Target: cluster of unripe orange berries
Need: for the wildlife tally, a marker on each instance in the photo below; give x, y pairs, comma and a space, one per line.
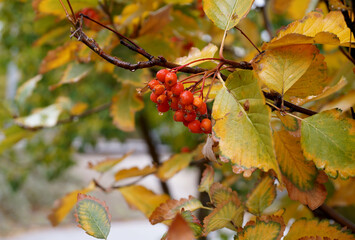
168, 93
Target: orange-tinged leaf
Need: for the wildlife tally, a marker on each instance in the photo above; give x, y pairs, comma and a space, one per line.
78, 108
53, 7
222, 216
195, 54
59, 56
139, 197
317, 228
124, 106
300, 175
134, 172
291, 124
344, 194
292, 162
156, 21
92, 216
220, 193
208, 151
63, 206
280, 68
207, 179
171, 207
313, 81
261, 230
262, 196
314, 28
105, 165
226, 13
173, 165
193, 222
180, 229
328, 140
72, 74
244, 133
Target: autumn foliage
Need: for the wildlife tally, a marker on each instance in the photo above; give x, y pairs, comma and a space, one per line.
271, 111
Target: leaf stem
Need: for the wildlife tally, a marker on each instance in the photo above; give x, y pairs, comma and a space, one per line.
240, 30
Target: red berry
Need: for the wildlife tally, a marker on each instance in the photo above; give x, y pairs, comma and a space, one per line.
206, 125
174, 106
169, 94
162, 98
177, 89
153, 83
197, 102
203, 109
161, 75
189, 117
185, 149
179, 116
186, 123
153, 97
194, 126
159, 89
186, 97
163, 107
170, 79
189, 108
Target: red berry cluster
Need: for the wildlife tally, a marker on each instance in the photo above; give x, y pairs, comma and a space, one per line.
168, 94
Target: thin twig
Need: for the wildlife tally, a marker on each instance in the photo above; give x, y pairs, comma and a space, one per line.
331, 213
346, 55
240, 30
267, 23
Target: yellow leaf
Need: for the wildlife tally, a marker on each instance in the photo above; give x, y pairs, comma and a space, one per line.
261, 230
242, 124
124, 106
314, 28
59, 56
317, 228
226, 13
298, 8
222, 216
146, 201
78, 108
169, 209
344, 102
63, 206
280, 68
134, 172
173, 165
108, 164
180, 230
195, 54
54, 7
344, 194
262, 196
220, 193
313, 81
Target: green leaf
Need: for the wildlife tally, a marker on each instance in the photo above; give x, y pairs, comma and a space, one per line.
242, 123
26, 89
224, 215
321, 229
72, 74
226, 13
124, 106
92, 216
328, 140
13, 135
171, 207
220, 193
193, 222
173, 165
262, 196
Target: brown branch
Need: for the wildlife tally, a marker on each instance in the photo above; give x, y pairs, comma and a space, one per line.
267, 23
241, 31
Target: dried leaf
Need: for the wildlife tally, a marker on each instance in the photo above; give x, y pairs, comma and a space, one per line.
92, 216
207, 149
171, 207
344, 194
207, 179
180, 229
156, 21
63, 206
343, 103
